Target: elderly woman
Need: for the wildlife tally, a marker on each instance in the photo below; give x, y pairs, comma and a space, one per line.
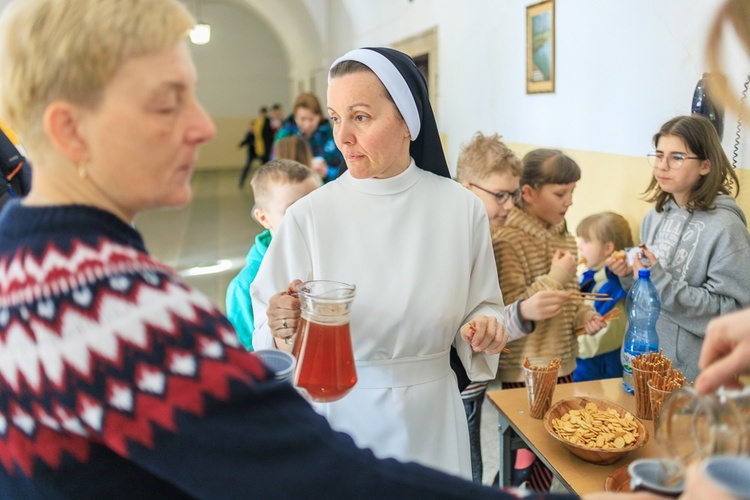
117, 379
416, 245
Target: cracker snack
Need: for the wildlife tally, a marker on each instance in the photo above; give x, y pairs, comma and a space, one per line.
595, 428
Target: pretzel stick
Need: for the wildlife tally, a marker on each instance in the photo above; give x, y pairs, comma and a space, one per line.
611, 315
654, 364
473, 331
543, 382
591, 296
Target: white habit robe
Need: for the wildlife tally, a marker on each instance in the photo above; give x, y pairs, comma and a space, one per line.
417, 246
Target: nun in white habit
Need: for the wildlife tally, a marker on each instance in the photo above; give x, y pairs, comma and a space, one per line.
416, 245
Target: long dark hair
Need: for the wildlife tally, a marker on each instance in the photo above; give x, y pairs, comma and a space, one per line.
701, 138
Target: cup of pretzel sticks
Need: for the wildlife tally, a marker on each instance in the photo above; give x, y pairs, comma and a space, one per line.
540, 376
645, 366
660, 387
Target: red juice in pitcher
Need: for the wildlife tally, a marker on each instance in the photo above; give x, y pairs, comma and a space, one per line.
326, 369
298, 339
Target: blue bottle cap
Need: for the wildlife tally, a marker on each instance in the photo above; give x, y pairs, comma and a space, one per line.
644, 273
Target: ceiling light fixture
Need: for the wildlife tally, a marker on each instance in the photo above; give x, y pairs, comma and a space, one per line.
201, 32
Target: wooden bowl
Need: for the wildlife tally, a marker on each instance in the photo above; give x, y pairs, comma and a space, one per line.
601, 456
618, 481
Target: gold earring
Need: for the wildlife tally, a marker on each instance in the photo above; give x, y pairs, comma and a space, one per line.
82, 173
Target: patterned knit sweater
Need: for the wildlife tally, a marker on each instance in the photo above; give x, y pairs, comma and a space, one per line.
523, 250
119, 381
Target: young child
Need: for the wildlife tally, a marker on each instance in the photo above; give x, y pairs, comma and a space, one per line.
599, 236
535, 252
248, 142
487, 167
293, 147
696, 236
277, 185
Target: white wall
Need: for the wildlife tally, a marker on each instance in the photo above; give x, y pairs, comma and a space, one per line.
622, 67
244, 66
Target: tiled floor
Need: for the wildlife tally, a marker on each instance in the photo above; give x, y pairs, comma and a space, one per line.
218, 227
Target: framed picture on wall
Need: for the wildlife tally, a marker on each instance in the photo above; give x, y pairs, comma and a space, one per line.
540, 47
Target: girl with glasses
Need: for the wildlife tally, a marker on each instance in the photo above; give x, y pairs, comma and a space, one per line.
698, 246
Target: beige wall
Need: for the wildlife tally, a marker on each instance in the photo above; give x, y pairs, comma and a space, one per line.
615, 182
222, 152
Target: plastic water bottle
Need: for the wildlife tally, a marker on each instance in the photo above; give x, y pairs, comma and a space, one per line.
643, 306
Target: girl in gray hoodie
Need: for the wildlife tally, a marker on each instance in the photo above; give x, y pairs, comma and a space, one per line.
696, 236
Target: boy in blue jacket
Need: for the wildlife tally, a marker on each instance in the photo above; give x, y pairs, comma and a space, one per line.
276, 186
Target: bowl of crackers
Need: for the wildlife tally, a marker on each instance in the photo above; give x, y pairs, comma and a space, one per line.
595, 430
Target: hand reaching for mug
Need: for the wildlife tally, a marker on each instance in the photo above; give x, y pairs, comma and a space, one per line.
283, 314
484, 334
725, 353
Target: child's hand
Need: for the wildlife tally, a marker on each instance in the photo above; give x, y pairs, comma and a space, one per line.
544, 304
618, 266
563, 268
639, 264
594, 324
320, 166
484, 334
283, 313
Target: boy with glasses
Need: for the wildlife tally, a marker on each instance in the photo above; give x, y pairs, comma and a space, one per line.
492, 171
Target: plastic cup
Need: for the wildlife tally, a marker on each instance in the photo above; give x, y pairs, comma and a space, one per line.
540, 386
641, 393
657, 397
279, 362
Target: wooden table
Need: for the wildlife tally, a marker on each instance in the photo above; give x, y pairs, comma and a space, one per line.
517, 427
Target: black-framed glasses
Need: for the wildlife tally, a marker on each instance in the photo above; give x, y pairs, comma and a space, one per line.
502, 197
674, 160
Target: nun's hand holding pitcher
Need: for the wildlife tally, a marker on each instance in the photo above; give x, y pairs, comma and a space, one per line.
283, 314
485, 334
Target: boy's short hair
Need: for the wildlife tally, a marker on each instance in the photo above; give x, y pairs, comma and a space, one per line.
484, 156
605, 227
277, 172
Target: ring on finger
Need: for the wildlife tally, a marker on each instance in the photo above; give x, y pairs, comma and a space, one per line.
283, 323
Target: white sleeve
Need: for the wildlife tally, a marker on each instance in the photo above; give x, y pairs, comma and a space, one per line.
287, 258
484, 298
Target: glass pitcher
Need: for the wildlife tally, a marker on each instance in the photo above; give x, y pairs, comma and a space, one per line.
323, 343
694, 427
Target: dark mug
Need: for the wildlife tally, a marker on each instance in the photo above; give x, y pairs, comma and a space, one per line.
732, 473
279, 362
653, 475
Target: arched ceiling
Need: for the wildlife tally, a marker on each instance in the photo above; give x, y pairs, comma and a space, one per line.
301, 33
